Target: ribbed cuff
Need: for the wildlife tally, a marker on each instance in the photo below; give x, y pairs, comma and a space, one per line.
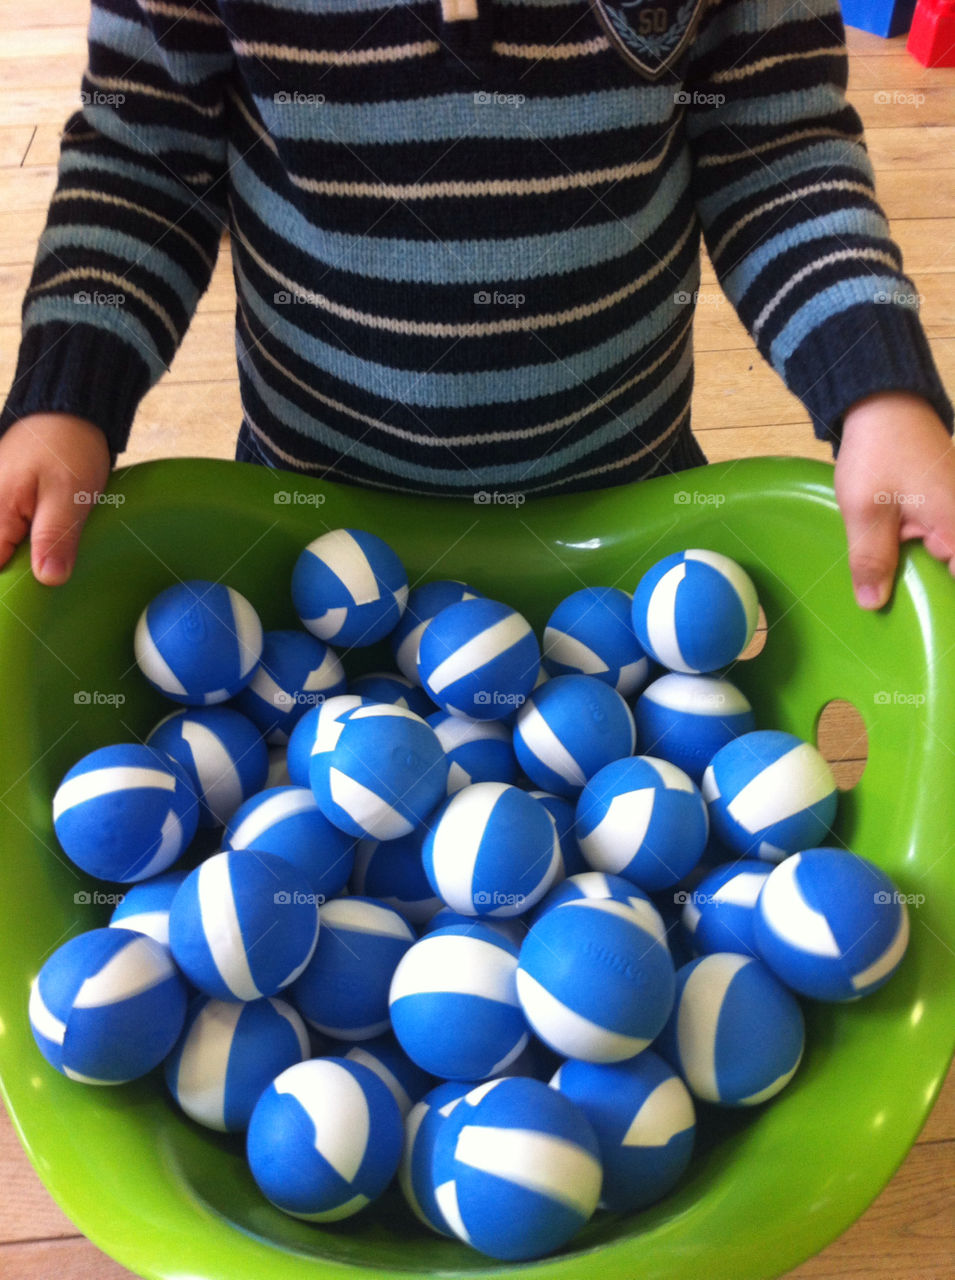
78, 369
870, 348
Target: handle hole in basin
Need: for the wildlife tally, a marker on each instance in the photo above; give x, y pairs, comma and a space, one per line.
758, 642
842, 738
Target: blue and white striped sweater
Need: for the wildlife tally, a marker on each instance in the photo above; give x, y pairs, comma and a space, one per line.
463, 246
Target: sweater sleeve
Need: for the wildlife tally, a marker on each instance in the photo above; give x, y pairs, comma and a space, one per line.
135, 221
786, 196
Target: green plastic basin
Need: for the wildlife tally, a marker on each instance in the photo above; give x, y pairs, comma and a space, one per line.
768, 1188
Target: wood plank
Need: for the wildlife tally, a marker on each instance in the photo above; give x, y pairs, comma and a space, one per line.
43, 104
905, 193
894, 71
865, 44
27, 1211
44, 146
904, 147
940, 1126
63, 42
889, 108
789, 440
74, 1259
15, 142
194, 419
26, 188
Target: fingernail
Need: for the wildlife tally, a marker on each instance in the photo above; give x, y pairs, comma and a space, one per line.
53, 570
869, 595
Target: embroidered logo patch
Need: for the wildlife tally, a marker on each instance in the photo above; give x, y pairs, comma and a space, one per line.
651, 36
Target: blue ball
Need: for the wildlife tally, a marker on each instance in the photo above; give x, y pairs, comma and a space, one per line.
223, 911
568, 729
735, 1035
769, 794
415, 1174
384, 775
720, 912
564, 814
393, 872
107, 1006
454, 1004
686, 719
343, 990
404, 1078
695, 611
599, 887
198, 642
642, 818
398, 691
125, 812
491, 850
424, 603
324, 1139
288, 822
145, 907
643, 1116
349, 588
594, 981
228, 1054
298, 754
513, 930
830, 924
591, 633
479, 658
222, 753
516, 1169
296, 672
476, 750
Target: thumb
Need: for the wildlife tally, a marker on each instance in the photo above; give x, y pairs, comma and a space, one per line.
57, 524
872, 530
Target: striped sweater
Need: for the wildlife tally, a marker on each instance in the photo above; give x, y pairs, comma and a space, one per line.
465, 233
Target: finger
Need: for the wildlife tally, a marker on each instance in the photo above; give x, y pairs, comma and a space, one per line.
15, 514
872, 531
57, 525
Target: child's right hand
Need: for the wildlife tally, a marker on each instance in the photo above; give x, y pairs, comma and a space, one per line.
46, 461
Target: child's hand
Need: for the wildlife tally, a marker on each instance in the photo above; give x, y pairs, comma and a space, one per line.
895, 480
46, 461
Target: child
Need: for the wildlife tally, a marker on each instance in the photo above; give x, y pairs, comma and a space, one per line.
465, 237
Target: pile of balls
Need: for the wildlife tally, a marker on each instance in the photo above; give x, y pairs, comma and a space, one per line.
441, 936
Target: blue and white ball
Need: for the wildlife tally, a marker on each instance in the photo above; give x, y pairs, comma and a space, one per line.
392, 871
397, 690
405, 1079
288, 822
736, 1034
125, 812
719, 914
224, 910
831, 925
601, 888
343, 990
479, 658
454, 1005
107, 1006
564, 814
278, 769
594, 980
221, 751
770, 794
516, 1169
686, 719
295, 673
645, 1122
415, 1173
491, 850
695, 611
325, 1139
385, 774
198, 642
476, 750
591, 633
298, 753
228, 1054
642, 818
570, 728
424, 603
512, 929
349, 588
145, 907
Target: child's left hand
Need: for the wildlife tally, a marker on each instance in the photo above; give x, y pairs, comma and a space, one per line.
895, 481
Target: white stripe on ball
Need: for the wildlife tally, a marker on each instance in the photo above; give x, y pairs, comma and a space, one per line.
666, 1111
328, 624
771, 1089
387, 1078
220, 925
328, 672
889, 958
736, 576
137, 967
547, 747
341, 1131
271, 811
367, 808
798, 779
50, 1027
672, 777
151, 661
365, 917
623, 828
343, 555
661, 618
479, 651
700, 695
247, 630
578, 1034
790, 916
295, 1022
218, 778
742, 890
101, 782
536, 1161
455, 964
457, 843
454, 732
155, 924
201, 1079
699, 1013
446, 1196
170, 845
571, 652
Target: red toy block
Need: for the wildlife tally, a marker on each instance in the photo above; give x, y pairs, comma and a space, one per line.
932, 35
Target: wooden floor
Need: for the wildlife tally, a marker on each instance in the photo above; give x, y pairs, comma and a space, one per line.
740, 410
